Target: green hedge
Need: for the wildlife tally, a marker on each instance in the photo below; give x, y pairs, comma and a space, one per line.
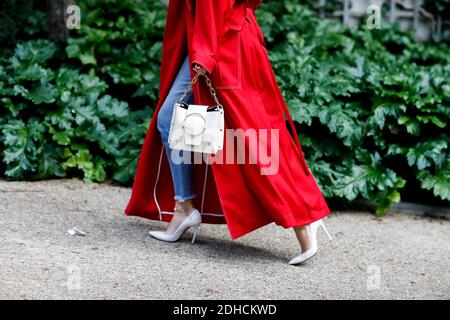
63, 106
372, 107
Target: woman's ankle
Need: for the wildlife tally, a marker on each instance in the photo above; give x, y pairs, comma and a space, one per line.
184, 207
303, 234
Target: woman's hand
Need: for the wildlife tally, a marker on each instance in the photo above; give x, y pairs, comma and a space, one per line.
199, 69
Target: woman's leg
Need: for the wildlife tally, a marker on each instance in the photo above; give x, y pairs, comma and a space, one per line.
303, 234
181, 172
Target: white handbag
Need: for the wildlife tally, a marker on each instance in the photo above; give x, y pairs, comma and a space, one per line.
198, 128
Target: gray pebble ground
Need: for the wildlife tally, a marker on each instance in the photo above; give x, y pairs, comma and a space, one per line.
395, 257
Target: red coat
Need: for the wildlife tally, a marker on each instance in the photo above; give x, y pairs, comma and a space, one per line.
228, 42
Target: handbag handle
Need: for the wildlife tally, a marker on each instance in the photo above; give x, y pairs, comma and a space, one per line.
211, 89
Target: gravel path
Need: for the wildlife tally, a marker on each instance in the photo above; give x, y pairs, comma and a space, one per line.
396, 257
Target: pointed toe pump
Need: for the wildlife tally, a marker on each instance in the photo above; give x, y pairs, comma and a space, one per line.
194, 220
308, 254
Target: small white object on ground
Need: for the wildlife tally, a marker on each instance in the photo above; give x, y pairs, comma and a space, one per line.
76, 232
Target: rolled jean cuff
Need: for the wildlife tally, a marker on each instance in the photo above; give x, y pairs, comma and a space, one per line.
181, 198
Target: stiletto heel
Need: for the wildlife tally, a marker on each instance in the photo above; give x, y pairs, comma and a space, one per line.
194, 219
308, 254
326, 231
195, 232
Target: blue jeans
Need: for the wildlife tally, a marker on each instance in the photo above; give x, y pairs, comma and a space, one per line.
181, 172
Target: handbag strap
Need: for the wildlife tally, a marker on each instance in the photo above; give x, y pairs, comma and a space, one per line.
211, 89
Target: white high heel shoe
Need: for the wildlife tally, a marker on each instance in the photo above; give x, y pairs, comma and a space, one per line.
194, 219
308, 254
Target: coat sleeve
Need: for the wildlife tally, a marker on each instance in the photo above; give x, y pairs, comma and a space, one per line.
209, 15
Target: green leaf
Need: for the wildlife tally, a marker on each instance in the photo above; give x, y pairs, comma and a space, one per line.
126, 166
412, 125
23, 146
425, 153
112, 108
50, 163
87, 59
386, 199
31, 52
42, 93
92, 168
439, 182
434, 119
